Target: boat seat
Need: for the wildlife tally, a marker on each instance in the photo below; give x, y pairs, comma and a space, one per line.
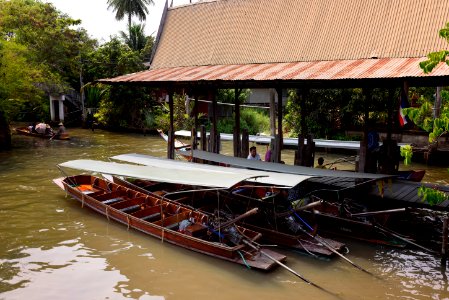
152, 217
173, 226
130, 209
113, 200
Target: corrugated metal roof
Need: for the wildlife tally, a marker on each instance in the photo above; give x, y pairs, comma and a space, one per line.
240, 32
318, 70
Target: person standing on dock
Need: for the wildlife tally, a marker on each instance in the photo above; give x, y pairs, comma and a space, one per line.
253, 155
268, 154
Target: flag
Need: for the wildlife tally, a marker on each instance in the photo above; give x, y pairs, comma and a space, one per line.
403, 104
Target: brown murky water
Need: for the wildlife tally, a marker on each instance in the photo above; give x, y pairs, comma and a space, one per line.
51, 248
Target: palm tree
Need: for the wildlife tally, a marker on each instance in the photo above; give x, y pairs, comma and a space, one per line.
136, 38
131, 8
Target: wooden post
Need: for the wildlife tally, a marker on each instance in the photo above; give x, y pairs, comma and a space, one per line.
391, 106
236, 144
445, 238
203, 138
299, 153
302, 95
277, 149
272, 113
171, 132
237, 141
193, 141
214, 121
280, 137
310, 152
203, 141
195, 112
218, 143
271, 148
437, 104
245, 143
363, 154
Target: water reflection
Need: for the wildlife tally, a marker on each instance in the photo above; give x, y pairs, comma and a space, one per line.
52, 248
420, 274
68, 271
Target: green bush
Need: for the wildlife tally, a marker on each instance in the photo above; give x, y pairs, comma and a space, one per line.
251, 119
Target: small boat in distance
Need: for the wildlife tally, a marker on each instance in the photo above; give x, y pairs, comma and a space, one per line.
27, 132
181, 149
170, 222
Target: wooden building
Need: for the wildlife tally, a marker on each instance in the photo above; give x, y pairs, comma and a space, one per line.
301, 44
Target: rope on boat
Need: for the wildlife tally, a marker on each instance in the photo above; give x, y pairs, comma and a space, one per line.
127, 219
244, 260
82, 200
107, 213
310, 253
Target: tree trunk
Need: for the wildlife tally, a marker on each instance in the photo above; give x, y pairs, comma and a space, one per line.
5, 133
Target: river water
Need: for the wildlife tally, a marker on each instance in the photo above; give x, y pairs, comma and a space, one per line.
51, 248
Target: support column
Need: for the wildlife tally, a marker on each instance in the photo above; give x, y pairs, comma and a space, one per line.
437, 103
52, 108
171, 132
363, 154
237, 138
61, 108
213, 133
280, 142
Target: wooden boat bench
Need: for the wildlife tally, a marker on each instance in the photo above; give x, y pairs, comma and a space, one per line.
149, 214
113, 200
131, 205
106, 196
172, 222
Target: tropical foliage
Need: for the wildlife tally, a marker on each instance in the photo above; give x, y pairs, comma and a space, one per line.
435, 58
130, 8
39, 53
135, 38
431, 196
329, 112
422, 116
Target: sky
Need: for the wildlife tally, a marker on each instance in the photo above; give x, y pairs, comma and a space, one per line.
100, 22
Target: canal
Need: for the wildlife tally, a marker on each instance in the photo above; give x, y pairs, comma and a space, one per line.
52, 248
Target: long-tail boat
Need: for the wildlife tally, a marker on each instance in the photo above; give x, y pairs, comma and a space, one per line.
379, 225
170, 222
27, 132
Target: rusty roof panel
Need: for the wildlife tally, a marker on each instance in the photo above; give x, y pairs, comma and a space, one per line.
237, 32
320, 70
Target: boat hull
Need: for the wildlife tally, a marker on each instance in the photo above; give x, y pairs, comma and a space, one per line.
90, 192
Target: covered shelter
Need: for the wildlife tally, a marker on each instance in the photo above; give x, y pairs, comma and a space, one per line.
300, 44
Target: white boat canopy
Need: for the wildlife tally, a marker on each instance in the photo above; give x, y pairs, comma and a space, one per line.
288, 169
281, 179
189, 176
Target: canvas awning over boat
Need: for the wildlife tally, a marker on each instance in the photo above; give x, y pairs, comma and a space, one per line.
281, 179
189, 176
299, 170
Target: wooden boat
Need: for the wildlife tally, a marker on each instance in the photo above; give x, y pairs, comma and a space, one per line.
412, 175
284, 231
26, 131
170, 222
